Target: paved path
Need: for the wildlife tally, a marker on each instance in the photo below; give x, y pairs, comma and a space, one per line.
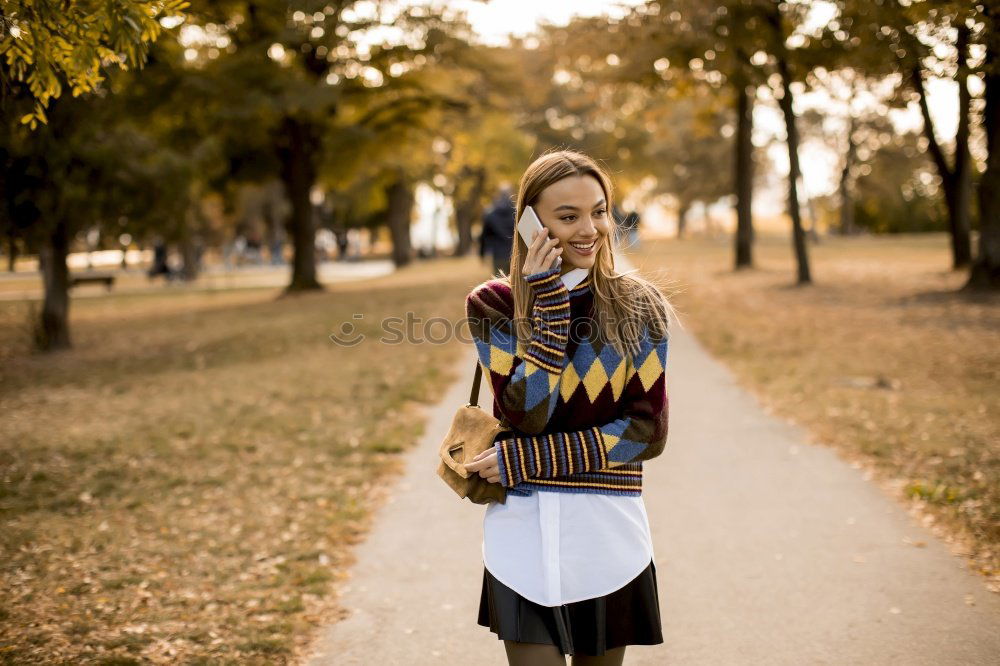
769, 550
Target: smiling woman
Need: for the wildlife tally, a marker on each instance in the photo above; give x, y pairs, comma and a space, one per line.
577, 224
572, 195
568, 558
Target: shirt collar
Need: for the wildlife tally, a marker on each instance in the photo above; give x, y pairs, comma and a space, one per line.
582, 288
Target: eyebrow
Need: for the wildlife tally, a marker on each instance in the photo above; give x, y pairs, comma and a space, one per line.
569, 207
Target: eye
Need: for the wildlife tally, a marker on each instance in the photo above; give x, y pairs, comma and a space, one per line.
602, 212
568, 218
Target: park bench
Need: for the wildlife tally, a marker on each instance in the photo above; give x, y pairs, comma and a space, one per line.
84, 278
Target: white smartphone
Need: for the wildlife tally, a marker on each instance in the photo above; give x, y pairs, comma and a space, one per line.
527, 226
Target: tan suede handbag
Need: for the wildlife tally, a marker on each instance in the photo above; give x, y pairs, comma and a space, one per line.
472, 431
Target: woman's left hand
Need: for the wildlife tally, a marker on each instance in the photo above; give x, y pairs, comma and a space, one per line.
486, 465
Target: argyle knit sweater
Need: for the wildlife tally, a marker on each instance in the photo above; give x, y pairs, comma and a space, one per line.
583, 417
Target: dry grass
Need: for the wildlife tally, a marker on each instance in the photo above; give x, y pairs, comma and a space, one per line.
185, 485
880, 358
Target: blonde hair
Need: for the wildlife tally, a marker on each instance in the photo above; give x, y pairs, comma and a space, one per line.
626, 306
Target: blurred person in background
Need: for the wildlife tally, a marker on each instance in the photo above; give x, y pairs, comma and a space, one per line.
161, 265
498, 230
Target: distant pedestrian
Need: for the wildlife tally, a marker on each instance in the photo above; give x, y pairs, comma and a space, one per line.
497, 237
277, 251
340, 235
160, 265
254, 245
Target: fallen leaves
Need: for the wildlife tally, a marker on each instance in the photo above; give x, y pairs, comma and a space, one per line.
171, 512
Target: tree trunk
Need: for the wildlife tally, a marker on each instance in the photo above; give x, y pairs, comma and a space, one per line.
469, 209
787, 110
52, 329
297, 151
744, 175
683, 208
846, 188
812, 231
957, 181
985, 272
189, 248
961, 239
798, 234
400, 197
12, 251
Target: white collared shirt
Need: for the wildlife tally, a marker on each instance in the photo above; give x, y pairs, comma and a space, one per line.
556, 547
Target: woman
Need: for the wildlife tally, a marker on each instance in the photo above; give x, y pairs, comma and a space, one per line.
578, 376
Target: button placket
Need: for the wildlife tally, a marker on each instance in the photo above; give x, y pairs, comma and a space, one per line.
548, 510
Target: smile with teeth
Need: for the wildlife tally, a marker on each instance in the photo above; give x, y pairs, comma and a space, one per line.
585, 247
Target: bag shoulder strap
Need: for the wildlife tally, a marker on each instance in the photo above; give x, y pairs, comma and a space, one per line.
474, 398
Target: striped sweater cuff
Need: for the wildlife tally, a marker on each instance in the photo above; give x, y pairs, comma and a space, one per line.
551, 317
550, 293
500, 463
549, 455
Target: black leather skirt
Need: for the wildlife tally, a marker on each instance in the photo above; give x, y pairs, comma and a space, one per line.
628, 616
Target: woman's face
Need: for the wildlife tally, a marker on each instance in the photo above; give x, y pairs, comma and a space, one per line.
574, 211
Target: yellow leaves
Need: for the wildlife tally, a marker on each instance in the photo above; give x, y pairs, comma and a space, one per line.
37, 116
69, 44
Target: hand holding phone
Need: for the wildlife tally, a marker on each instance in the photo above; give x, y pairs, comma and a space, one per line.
533, 232
543, 252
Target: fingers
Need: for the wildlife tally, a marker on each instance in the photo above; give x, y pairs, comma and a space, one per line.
550, 258
488, 469
536, 240
542, 253
536, 245
473, 464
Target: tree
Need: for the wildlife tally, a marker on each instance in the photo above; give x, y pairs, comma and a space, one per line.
718, 45
46, 44
895, 189
772, 14
985, 273
685, 144
81, 170
42, 44
887, 38
299, 66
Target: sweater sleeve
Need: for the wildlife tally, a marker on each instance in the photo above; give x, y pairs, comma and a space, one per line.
640, 433
526, 386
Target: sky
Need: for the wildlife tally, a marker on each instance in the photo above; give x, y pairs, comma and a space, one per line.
494, 21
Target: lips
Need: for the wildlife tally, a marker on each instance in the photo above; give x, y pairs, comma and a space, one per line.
584, 248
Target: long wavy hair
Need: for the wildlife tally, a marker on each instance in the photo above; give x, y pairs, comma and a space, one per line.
626, 306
